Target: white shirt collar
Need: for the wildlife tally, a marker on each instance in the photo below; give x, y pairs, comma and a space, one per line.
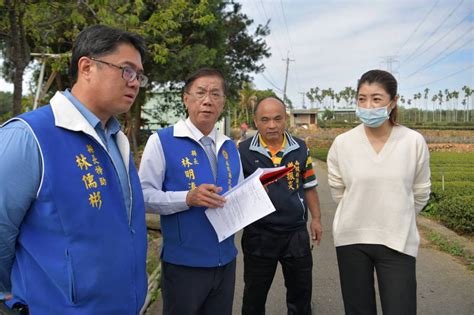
197, 134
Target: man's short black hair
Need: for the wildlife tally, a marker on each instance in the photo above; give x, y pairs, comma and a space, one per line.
100, 40
204, 72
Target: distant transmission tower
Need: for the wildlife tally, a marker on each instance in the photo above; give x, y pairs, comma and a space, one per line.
389, 62
303, 94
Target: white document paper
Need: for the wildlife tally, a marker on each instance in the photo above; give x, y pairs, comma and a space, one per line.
245, 203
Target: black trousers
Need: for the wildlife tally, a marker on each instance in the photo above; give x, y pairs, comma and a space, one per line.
396, 276
196, 290
293, 252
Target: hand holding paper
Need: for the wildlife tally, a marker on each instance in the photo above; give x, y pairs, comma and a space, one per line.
245, 203
205, 195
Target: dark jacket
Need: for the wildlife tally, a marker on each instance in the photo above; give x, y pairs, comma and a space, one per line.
287, 194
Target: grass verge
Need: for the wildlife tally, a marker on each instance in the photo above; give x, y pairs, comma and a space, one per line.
450, 247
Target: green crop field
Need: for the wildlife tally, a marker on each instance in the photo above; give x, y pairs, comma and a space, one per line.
452, 190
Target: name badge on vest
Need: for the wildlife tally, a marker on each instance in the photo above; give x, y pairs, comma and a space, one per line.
93, 175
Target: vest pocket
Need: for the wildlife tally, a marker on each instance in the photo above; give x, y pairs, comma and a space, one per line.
70, 273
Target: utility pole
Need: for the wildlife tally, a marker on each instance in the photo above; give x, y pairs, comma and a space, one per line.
303, 94
286, 75
40, 90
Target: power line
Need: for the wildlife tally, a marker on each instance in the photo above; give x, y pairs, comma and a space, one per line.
431, 35
263, 16
271, 83
417, 27
443, 78
432, 63
270, 76
446, 34
286, 24
469, 41
290, 42
271, 33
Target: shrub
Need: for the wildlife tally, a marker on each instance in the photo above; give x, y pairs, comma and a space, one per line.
451, 158
453, 176
458, 214
451, 189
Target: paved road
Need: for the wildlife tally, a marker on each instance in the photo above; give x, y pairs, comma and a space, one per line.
444, 285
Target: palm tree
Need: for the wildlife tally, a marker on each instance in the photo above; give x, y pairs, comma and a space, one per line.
312, 95
467, 96
409, 110
247, 100
338, 97
416, 97
319, 98
348, 95
433, 100
447, 97
402, 100
332, 95
455, 97
464, 103
324, 94
420, 108
427, 90
440, 101
352, 95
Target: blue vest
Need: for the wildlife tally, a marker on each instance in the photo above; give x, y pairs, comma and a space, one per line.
77, 252
188, 237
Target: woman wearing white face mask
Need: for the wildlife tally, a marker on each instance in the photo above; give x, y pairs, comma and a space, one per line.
379, 175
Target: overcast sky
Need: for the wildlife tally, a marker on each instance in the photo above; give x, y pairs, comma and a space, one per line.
428, 43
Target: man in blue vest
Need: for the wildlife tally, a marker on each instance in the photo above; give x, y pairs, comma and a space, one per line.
282, 236
184, 170
72, 218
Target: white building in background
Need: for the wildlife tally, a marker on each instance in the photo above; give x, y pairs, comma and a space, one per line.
156, 118
303, 117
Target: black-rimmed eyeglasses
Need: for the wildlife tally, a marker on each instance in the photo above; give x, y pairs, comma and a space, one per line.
128, 74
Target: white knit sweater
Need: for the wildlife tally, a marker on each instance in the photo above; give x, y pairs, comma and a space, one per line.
380, 194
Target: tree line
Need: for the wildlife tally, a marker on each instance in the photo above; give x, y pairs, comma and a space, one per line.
449, 106
182, 36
